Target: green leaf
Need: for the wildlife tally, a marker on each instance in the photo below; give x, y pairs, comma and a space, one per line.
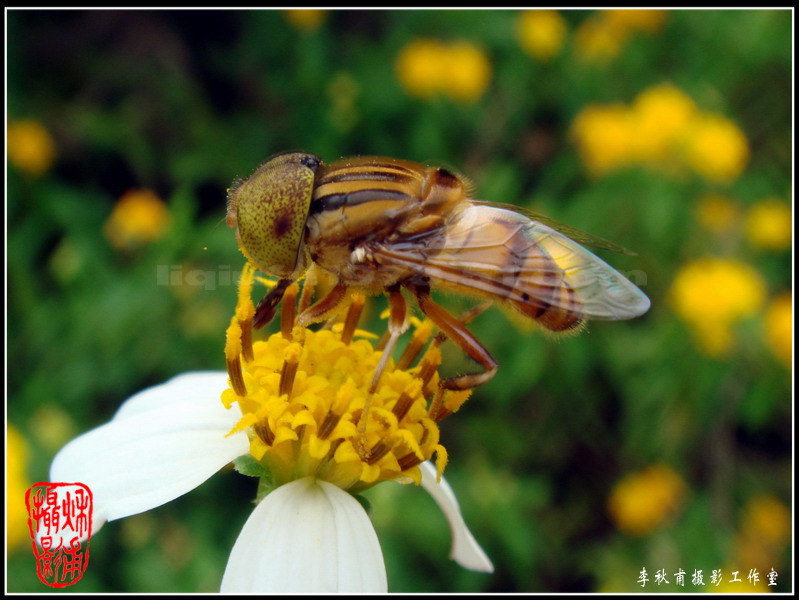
247, 465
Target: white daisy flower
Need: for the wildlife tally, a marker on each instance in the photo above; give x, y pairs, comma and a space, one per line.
298, 409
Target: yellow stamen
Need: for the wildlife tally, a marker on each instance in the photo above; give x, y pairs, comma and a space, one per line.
435, 406
267, 283
402, 406
357, 302
453, 400
233, 351
265, 433
307, 395
429, 366
245, 310
442, 458
414, 347
290, 364
288, 313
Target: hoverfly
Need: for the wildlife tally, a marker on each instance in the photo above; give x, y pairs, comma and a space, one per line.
381, 224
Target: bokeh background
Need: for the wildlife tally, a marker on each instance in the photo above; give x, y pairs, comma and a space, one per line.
659, 443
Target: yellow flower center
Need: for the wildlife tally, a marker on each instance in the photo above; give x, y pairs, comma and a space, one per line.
302, 395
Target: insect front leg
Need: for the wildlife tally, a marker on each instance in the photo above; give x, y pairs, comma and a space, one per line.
308, 288
265, 311
397, 324
456, 330
324, 307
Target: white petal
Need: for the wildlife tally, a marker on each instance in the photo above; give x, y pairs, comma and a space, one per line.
465, 549
195, 384
162, 443
306, 536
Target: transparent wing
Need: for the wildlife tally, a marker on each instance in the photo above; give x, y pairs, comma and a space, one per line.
578, 235
506, 255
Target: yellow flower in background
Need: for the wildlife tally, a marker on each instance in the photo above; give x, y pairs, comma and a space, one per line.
18, 483
428, 67
541, 33
138, 217
711, 293
30, 146
662, 114
769, 224
635, 19
642, 501
467, 73
716, 213
714, 336
779, 328
662, 127
743, 586
419, 66
717, 149
305, 20
764, 531
717, 288
597, 41
601, 37
605, 137
767, 519
343, 91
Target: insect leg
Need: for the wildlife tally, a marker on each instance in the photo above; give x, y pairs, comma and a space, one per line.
308, 287
321, 309
458, 333
397, 324
288, 310
265, 310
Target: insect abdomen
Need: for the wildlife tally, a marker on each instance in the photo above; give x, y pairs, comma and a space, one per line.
492, 252
535, 281
554, 318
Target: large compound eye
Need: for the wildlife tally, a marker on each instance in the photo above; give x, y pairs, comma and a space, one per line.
269, 211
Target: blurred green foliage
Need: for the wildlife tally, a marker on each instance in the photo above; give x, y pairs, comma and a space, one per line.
182, 102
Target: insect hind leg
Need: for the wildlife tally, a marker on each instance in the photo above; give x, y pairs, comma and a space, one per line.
456, 330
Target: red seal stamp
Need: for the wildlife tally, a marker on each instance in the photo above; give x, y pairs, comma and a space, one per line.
60, 526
